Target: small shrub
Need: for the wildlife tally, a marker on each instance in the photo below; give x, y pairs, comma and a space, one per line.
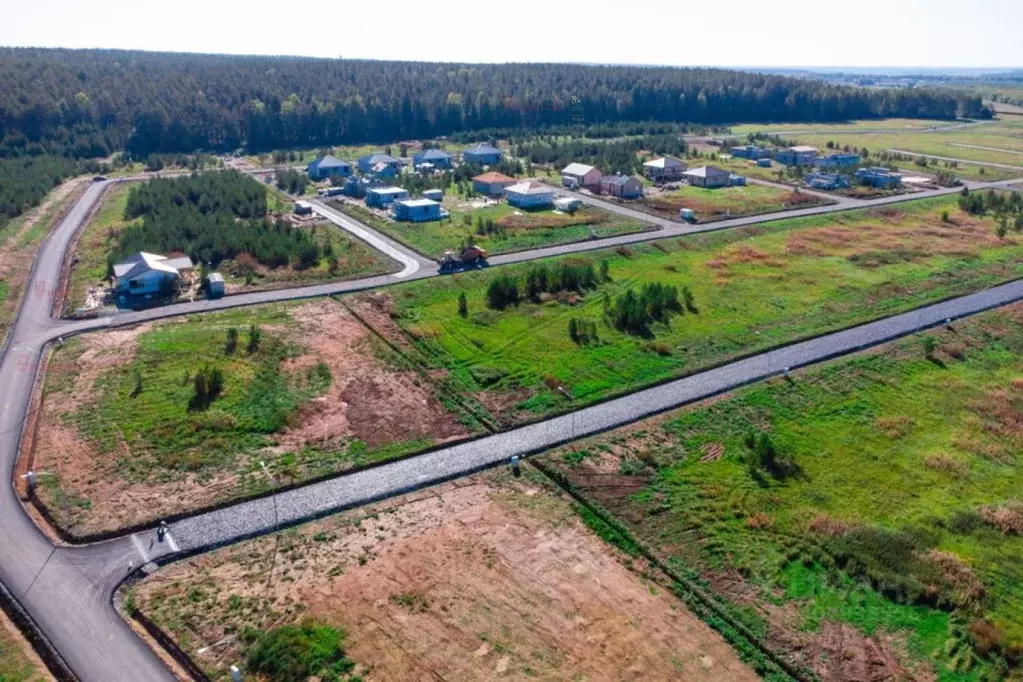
463, 305
231, 345
294, 653
255, 336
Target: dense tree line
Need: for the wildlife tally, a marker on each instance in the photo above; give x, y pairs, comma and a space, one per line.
212, 217
25, 181
617, 156
88, 103
569, 275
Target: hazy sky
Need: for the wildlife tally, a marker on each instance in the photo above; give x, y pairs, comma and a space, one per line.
679, 32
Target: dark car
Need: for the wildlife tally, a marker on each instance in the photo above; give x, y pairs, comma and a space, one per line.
100, 178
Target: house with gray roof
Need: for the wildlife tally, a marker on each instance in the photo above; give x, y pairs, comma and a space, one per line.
323, 167
483, 154
366, 163
435, 157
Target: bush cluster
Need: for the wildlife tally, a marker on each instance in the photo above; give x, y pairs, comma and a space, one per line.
633, 313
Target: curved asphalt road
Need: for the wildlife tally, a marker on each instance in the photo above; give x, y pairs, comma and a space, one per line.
67, 590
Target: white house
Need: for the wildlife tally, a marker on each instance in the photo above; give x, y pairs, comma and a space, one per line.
530, 194
145, 274
580, 175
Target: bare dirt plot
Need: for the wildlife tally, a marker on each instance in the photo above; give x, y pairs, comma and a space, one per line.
120, 459
489, 579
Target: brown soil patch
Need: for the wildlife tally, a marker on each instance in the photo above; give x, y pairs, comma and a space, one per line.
479, 581
365, 400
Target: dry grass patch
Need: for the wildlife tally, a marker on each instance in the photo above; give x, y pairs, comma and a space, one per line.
489, 579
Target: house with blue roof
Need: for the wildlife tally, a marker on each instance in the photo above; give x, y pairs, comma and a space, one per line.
825, 180
323, 167
366, 163
839, 160
878, 176
435, 157
483, 154
382, 197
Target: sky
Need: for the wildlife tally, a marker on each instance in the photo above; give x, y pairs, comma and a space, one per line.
870, 33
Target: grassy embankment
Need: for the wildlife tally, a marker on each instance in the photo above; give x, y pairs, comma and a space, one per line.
754, 288
898, 512
19, 239
497, 228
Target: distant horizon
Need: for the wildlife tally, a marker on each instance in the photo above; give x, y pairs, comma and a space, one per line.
921, 34
866, 70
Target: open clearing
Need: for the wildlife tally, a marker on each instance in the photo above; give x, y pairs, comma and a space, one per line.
753, 288
100, 238
725, 202
497, 228
18, 242
906, 478
127, 444
490, 578
18, 662
995, 142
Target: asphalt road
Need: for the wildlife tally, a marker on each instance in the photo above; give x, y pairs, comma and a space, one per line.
68, 590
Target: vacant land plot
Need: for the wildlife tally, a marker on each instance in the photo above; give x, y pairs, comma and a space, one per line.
498, 228
18, 662
752, 289
871, 523
726, 202
19, 240
893, 124
140, 423
337, 255
490, 579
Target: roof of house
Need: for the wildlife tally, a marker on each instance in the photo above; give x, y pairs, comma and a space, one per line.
482, 148
803, 148
414, 203
433, 154
216, 277
529, 187
329, 162
664, 162
704, 172
140, 262
616, 179
380, 167
577, 169
379, 157
387, 190
492, 177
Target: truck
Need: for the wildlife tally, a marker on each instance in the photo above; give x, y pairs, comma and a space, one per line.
463, 259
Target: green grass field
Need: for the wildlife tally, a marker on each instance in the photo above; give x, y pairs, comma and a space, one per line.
755, 288
726, 202
894, 124
137, 423
100, 237
513, 229
907, 480
993, 142
15, 666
